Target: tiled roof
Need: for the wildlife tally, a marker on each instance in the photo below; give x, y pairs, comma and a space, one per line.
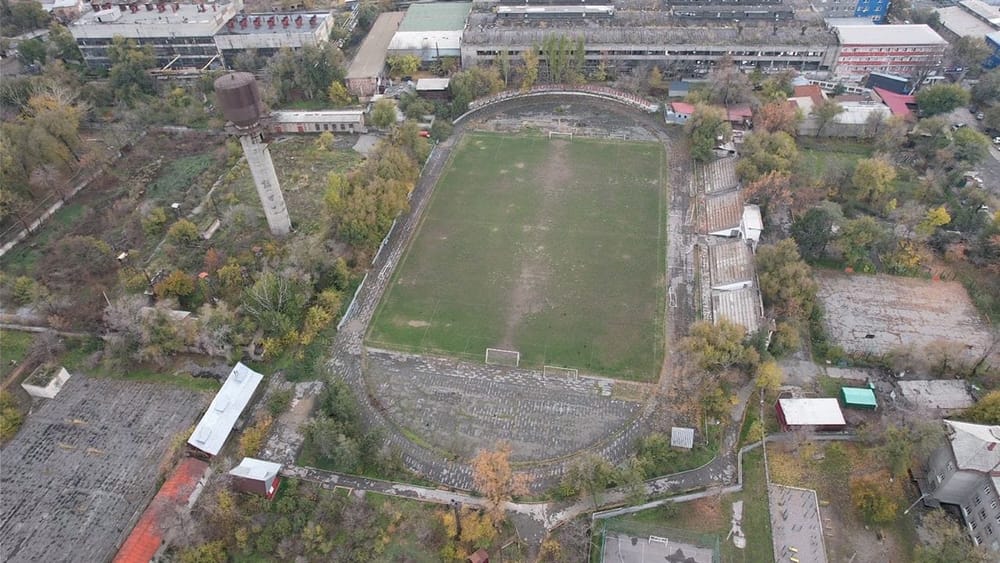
148, 535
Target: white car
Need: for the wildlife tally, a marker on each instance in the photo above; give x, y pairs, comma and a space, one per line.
996, 140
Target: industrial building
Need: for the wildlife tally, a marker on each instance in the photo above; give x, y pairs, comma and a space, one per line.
269, 32
431, 31
903, 50
214, 428
367, 71
965, 472
181, 35
195, 35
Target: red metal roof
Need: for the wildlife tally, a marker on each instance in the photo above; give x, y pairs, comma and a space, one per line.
147, 536
739, 113
682, 108
898, 103
810, 91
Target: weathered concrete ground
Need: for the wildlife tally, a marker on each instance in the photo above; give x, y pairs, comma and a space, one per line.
881, 314
85, 464
463, 406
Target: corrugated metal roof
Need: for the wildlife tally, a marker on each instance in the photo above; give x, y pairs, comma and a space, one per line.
812, 412
432, 84
436, 16
682, 437
723, 212
227, 406
860, 396
720, 175
740, 306
730, 262
256, 469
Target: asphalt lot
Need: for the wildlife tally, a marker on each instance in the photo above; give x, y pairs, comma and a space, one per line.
989, 168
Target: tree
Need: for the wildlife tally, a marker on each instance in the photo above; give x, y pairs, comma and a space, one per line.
946, 542
183, 232
873, 500
934, 218
10, 415
62, 44
985, 411
496, 480
765, 152
19, 17
707, 128
941, 98
769, 376
276, 302
306, 72
813, 231
772, 190
778, 116
590, 475
873, 181
32, 51
529, 74
970, 146
786, 282
655, 79
211, 552
826, 112
970, 52
468, 85
177, 284
716, 347
503, 62
403, 65
992, 117
129, 62
862, 240
338, 94
383, 113
987, 89
727, 85
892, 134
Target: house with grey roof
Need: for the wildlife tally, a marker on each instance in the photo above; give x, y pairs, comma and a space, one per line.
965, 472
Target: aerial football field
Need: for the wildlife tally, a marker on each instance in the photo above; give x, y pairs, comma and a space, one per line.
554, 248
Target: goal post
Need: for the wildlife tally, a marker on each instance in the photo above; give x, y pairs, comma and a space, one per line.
500, 357
560, 133
557, 371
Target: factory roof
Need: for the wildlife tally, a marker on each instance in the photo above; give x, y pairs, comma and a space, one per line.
731, 262
741, 306
962, 23
557, 10
436, 16
175, 20
907, 34
370, 59
227, 406
720, 175
723, 211
983, 10
975, 446
327, 116
274, 22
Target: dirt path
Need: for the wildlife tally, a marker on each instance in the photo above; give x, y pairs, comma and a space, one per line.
526, 296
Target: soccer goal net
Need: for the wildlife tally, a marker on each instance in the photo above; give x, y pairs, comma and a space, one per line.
496, 356
560, 134
556, 371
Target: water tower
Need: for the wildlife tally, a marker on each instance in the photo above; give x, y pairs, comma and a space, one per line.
239, 99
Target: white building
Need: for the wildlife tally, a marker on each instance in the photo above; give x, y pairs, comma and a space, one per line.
431, 31
271, 31
335, 121
214, 428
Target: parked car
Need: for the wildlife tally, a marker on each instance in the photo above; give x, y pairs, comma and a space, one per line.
980, 116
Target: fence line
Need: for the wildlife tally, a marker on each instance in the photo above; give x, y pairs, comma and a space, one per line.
601, 92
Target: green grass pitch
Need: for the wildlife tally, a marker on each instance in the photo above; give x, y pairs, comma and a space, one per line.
554, 248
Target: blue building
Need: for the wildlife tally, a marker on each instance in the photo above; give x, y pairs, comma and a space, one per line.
874, 10
993, 40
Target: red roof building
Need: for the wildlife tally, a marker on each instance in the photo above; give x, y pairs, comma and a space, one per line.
899, 104
811, 91
149, 534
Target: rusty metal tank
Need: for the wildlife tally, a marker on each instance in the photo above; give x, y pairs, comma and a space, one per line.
239, 98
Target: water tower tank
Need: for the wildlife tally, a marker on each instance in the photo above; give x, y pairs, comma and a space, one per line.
239, 98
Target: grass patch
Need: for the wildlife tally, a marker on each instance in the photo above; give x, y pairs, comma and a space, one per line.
522, 243
14, 346
179, 173
708, 520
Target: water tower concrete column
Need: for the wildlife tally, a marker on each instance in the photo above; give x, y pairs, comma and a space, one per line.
266, 181
239, 99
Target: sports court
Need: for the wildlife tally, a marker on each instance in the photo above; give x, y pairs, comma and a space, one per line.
623, 548
553, 247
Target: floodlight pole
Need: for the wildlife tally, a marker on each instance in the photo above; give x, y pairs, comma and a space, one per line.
907, 511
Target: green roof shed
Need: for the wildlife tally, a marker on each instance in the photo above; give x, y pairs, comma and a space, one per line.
858, 398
